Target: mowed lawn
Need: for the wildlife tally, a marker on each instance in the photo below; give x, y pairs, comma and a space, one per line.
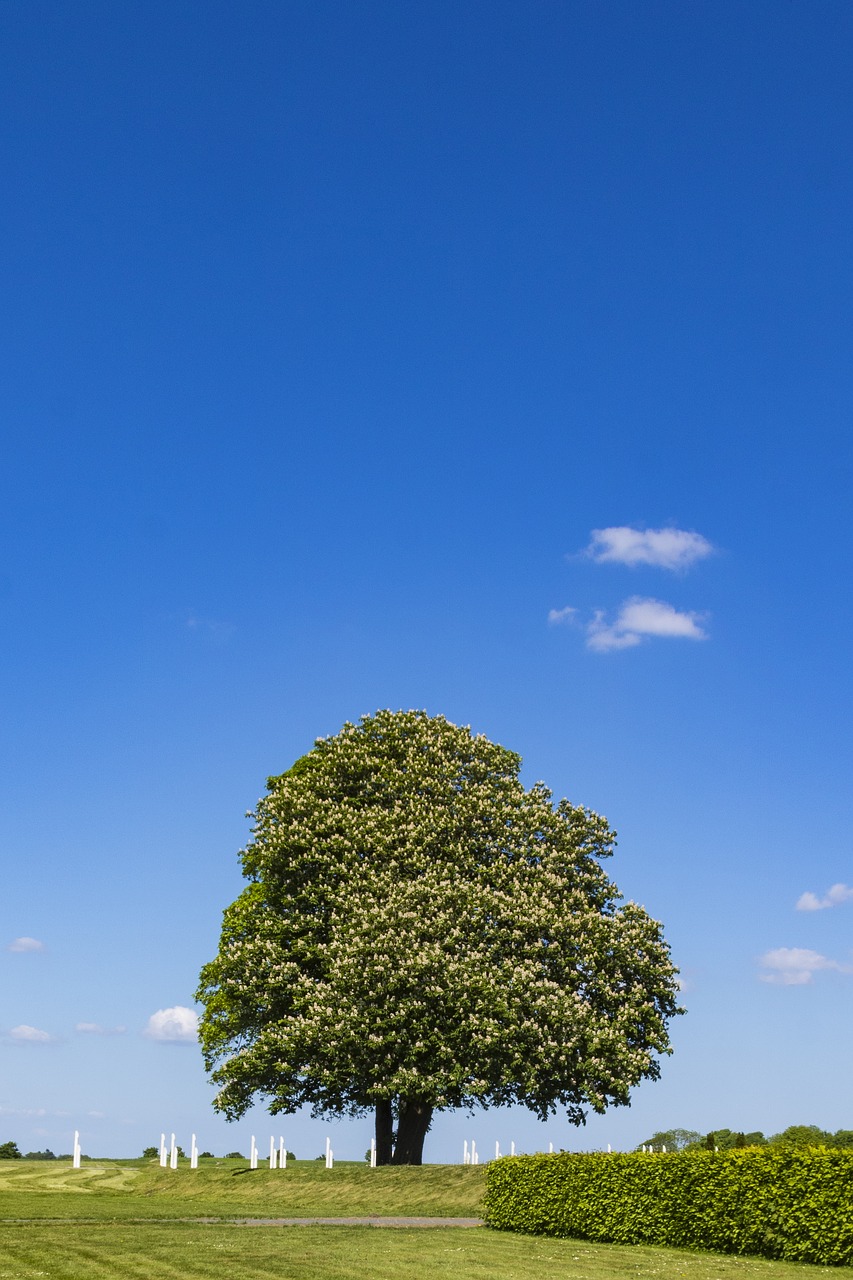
102, 1222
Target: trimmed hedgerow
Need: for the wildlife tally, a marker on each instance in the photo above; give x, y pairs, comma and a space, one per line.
791, 1204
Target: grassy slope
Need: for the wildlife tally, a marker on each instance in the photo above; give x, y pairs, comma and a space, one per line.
228, 1188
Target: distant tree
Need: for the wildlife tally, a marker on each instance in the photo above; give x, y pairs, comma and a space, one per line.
9, 1151
672, 1139
47, 1154
150, 1153
843, 1139
729, 1139
205, 1155
234, 1155
802, 1135
421, 933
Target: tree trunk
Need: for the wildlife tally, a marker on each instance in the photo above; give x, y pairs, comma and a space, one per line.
413, 1121
384, 1131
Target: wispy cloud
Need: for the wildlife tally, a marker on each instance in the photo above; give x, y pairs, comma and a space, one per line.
556, 616
25, 1034
674, 549
640, 618
177, 1025
95, 1029
25, 944
796, 966
834, 897
211, 627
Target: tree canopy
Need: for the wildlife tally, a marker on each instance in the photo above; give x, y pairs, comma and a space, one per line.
421, 932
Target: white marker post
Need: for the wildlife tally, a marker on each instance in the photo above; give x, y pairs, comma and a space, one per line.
550, 1148
272, 1153
173, 1154
330, 1155
475, 1159
466, 1155
282, 1154
512, 1148
75, 1157
497, 1151
193, 1154
609, 1149
253, 1154
373, 1153
163, 1157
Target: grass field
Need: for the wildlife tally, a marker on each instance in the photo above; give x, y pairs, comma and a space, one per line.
99, 1223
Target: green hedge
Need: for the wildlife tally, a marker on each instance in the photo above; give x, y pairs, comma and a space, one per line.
791, 1204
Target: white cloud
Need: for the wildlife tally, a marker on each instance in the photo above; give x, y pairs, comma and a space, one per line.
796, 966
638, 618
561, 615
25, 944
30, 1035
833, 897
177, 1025
95, 1029
665, 548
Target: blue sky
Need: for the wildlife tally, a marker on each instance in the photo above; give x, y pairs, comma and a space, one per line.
362, 355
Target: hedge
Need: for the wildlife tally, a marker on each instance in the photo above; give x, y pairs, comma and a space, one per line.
790, 1204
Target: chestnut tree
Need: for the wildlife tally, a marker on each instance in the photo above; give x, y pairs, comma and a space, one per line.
420, 932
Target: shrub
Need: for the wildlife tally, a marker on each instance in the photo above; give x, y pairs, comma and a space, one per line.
47, 1154
234, 1155
783, 1203
9, 1151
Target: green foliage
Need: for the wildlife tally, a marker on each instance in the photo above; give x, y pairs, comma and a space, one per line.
150, 1153
802, 1135
672, 1140
420, 932
730, 1140
234, 1155
9, 1151
47, 1154
786, 1203
205, 1155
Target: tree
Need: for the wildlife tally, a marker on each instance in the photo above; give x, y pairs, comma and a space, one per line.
150, 1153
803, 1135
420, 933
672, 1140
9, 1151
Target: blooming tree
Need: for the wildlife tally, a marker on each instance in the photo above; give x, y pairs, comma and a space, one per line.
420, 932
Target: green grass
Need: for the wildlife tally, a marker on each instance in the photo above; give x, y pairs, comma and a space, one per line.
183, 1252
97, 1223
116, 1189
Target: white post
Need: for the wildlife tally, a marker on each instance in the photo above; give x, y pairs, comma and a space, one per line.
512, 1148
609, 1149
330, 1155
253, 1154
466, 1158
193, 1154
282, 1154
272, 1153
475, 1159
497, 1151
75, 1157
550, 1148
163, 1157
173, 1154
663, 1149
373, 1153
